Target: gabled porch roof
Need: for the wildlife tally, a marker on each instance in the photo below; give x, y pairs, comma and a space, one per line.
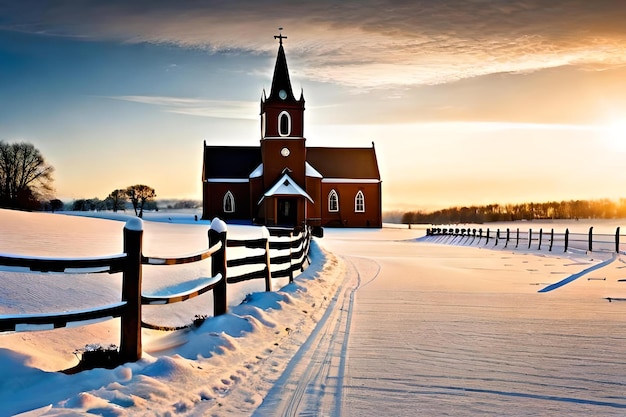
285, 186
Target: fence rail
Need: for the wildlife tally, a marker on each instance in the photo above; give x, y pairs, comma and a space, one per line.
130, 262
530, 239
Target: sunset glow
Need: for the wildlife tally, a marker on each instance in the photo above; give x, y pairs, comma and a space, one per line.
467, 102
616, 135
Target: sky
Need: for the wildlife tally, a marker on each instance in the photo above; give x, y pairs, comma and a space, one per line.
468, 101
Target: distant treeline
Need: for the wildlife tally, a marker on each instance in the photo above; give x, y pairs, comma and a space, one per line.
573, 209
91, 204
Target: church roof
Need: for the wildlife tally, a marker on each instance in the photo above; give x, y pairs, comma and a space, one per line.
281, 80
243, 162
230, 161
331, 162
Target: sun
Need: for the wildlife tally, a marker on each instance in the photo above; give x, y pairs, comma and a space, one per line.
615, 135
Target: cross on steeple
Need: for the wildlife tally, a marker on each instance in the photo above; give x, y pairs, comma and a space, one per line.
280, 36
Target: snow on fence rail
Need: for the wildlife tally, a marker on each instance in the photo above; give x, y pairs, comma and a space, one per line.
130, 262
537, 239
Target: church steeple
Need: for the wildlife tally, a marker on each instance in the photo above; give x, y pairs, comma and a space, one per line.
282, 114
281, 84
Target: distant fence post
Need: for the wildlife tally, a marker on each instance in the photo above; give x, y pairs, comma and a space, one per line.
130, 339
540, 237
566, 239
508, 236
551, 240
217, 233
591, 239
487, 241
497, 237
268, 270
517, 238
530, 237
617, 240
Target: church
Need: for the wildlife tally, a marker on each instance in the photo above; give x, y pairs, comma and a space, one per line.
283, 182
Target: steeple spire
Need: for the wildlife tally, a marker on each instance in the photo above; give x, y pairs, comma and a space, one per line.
281, 84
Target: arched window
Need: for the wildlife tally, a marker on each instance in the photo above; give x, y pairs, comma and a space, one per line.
359, 202
284, 124
229, 202
333, 201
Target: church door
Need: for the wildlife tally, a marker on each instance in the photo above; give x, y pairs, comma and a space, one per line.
287, 211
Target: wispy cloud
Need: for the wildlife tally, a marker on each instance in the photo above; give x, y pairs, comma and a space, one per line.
370, 43
197, 107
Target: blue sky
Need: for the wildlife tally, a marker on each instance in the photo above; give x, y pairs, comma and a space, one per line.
468, 102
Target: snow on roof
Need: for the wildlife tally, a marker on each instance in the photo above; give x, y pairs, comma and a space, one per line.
351, 180
258, 171
312, 172
231, 180
286, 186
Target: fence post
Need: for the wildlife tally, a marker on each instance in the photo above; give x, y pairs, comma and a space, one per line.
540, 237
497, 237
487, 241
508, 237
530, 237
617, 240
551, 240
591, 239
130, 338
566, 239
305, 246
268, 271
217, 233
290, 255
517, 239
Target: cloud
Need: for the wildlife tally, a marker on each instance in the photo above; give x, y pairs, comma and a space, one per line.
197, 107
366, 44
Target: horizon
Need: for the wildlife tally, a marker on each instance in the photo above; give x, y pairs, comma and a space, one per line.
467, 103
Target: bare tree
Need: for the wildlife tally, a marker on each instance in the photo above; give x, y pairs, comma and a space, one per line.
139, 194
25, 176
118, 199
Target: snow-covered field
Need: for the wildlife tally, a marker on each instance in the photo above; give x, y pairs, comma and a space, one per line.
383, 322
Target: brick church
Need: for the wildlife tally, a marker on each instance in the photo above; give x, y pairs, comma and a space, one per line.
283, 182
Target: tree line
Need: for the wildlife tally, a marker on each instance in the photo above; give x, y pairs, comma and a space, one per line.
140, 197
572, 209
26, 183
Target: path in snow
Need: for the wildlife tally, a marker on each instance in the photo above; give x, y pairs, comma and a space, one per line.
313, 382
423, 329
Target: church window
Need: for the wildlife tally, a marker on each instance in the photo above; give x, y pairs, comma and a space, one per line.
263, 125
284, 124
359, 202
333, 201
229, 202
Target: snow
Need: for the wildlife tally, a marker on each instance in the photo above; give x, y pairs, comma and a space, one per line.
135, 224
384, 321
218, 225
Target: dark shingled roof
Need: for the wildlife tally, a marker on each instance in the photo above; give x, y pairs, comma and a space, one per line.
240, 161
230, 161
354, 163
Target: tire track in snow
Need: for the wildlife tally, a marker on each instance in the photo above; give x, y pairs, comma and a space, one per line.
312, 383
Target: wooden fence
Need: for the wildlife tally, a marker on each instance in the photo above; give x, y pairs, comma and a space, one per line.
130, 262
537, 239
